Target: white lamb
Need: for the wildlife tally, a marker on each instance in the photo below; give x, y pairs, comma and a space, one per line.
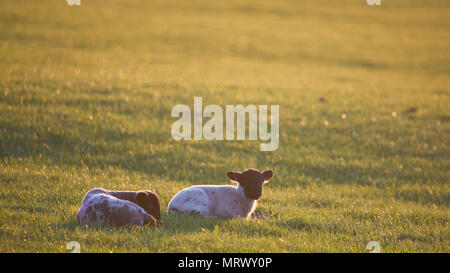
223, 201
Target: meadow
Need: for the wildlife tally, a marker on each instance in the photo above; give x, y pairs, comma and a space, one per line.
86, 94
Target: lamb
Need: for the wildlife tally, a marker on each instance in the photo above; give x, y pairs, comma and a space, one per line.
223, 201
119, 208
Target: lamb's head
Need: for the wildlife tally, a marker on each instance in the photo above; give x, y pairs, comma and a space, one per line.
252, 181
149, 201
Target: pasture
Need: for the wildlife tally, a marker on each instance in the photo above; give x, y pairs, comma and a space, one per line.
86, 94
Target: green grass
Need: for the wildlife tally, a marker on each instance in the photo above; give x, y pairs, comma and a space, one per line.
86, 94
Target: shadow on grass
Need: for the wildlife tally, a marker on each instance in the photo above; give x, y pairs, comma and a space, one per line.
72, 225
423, 196
182, 223
170, 223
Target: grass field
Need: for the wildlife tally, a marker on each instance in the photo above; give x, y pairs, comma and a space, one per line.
86, 94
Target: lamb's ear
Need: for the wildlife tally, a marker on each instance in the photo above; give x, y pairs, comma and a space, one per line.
267, 175
140, 196
233, 176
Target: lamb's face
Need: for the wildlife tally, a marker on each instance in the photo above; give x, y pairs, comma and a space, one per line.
252, 181
149, 201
